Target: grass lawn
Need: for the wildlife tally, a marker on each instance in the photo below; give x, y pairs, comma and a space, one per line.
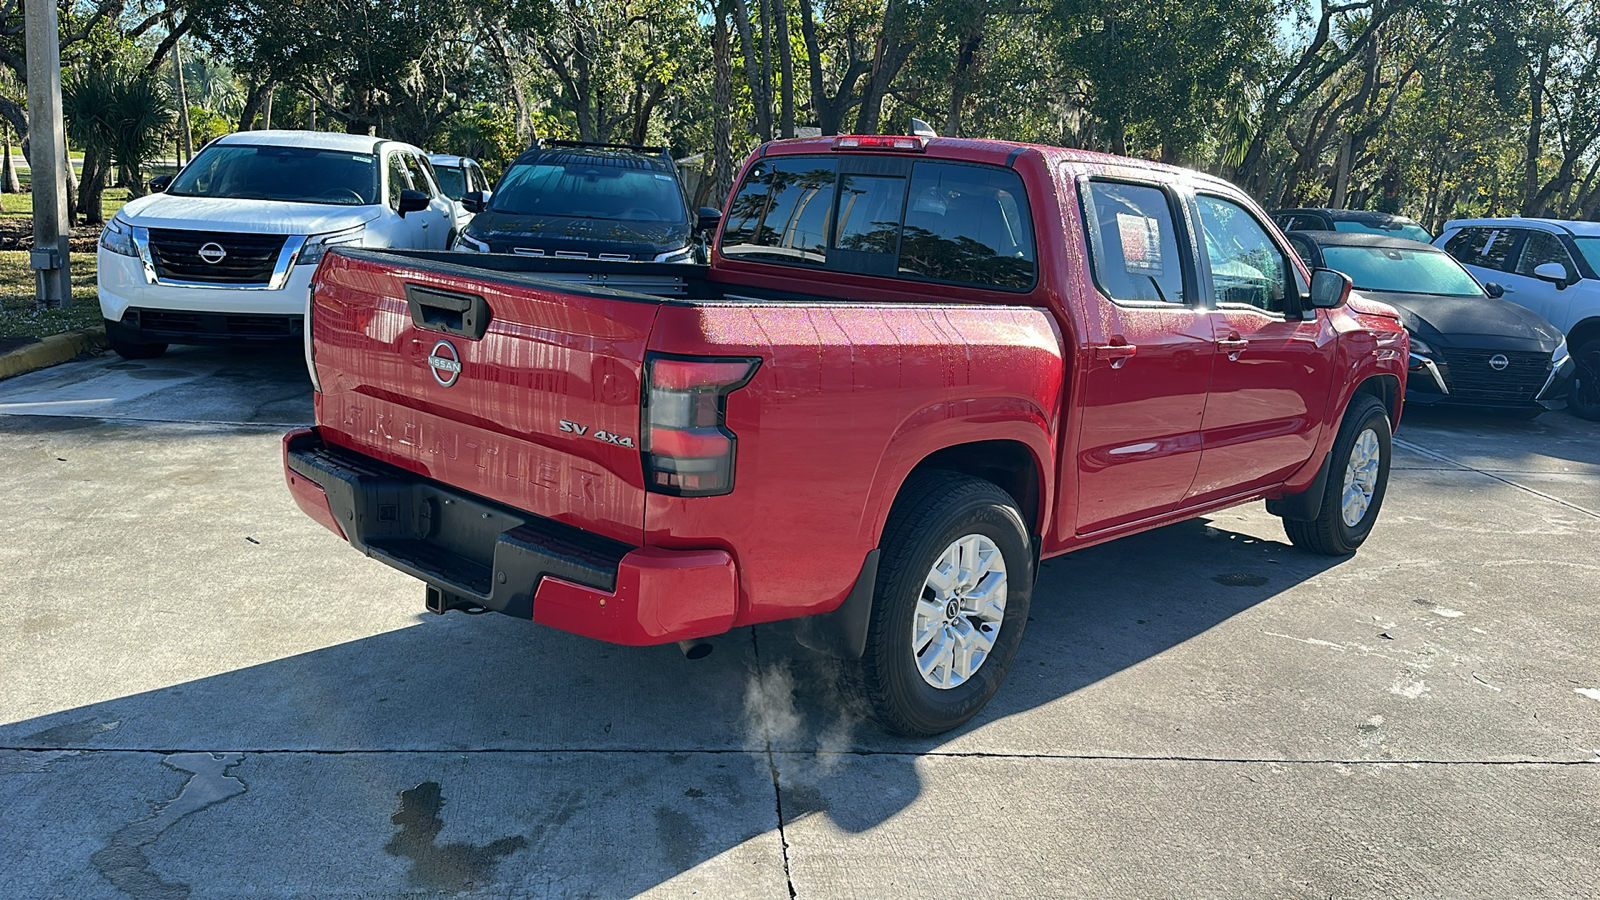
18, 315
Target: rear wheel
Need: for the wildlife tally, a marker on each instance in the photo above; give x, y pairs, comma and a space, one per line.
1356, 483
127, 348
1584, 398
953, 589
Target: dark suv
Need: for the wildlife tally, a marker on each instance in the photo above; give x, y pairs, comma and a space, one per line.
1357, 221
581, 200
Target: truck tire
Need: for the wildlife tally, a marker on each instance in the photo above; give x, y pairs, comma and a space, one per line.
953, 588
1357, 482
127, 349
1583, 400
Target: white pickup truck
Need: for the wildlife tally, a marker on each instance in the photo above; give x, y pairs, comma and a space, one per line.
224, 251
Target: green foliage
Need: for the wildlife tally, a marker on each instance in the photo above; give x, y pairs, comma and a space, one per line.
487, 133
121, 111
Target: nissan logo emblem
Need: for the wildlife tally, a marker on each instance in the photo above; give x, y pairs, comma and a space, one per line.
213, 253
445, 363
1498, 362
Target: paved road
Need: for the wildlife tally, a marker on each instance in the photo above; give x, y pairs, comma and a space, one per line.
206, 695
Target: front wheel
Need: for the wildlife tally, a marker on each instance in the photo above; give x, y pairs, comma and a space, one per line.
953, 589
1356, 484
1583, 400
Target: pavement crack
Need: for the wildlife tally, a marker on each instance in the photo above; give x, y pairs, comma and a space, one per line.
806, 753
772, 767
122, 861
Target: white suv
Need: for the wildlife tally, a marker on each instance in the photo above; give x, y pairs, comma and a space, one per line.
1551, 267
225, 252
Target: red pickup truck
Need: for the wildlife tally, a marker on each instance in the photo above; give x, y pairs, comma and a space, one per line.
912, 368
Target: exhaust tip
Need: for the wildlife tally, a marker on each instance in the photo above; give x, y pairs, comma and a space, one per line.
698, 648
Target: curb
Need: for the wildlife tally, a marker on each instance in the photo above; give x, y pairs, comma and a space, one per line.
53, 350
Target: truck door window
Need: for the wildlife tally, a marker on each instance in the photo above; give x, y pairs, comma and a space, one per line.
418, 170
782, 212
1133, 242
1247, 268
967, 225
399, 179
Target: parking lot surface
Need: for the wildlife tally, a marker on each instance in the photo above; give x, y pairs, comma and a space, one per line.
205, 694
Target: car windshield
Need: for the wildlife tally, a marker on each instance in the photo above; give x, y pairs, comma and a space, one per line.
590, 187
1408, 230
1590, 248
1402, 270
452, 181
290, 174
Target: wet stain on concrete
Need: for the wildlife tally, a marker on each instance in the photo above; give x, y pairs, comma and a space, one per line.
46, 623
122, 860
1240, 579
446, 867
30, 762
73, 733
679, 837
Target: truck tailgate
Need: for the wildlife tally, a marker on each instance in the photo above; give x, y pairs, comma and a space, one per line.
510, 388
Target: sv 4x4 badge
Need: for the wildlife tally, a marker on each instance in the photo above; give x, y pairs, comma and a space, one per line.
583, 430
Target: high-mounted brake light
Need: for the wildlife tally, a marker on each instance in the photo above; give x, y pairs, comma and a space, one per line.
688, 450
880, 142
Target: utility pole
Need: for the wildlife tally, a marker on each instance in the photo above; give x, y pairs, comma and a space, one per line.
47, 146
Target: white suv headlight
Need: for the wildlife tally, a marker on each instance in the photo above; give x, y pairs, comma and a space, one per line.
118, 238
318, 244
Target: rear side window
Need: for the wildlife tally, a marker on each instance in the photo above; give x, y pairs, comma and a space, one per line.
1133, 242
783, 212
947, 222
1487, 248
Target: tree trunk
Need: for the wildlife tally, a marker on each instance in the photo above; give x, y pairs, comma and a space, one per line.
93, 185
252, 106
1535, 145
889, 56
780, 16
72, 185
961, 77
1341, 177
722, 125
9, 183
266, 108
186, 134
752, 75
311, 117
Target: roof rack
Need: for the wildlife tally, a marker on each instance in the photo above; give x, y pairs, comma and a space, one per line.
542, 142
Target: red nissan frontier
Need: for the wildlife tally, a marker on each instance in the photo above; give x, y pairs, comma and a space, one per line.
910, 369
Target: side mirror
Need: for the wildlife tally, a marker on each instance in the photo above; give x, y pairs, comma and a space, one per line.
160, 183
1494, 290
475, 201
1555, 273
709, 220
1329, 289
411, 201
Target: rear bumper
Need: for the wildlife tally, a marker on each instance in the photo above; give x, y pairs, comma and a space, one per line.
481, 552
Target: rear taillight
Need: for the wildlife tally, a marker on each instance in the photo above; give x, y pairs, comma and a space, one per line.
688, 449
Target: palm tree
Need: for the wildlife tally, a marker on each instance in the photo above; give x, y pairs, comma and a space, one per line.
118, 113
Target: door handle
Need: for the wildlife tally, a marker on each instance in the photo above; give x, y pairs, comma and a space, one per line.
1117, 353
1233, 346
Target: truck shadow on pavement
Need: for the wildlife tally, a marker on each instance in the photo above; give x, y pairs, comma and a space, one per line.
486, 754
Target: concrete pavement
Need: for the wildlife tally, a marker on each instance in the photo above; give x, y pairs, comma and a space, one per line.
207, 695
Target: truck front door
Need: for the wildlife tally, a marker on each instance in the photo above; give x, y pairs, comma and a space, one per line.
1272, 370
1149, 357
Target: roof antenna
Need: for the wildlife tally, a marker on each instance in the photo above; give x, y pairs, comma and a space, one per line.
922, 129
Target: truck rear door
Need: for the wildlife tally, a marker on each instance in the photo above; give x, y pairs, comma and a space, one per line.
505, 386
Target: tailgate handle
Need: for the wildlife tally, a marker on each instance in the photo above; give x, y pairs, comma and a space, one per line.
466, 315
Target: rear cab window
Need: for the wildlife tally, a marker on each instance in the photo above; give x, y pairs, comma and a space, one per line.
922, 220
